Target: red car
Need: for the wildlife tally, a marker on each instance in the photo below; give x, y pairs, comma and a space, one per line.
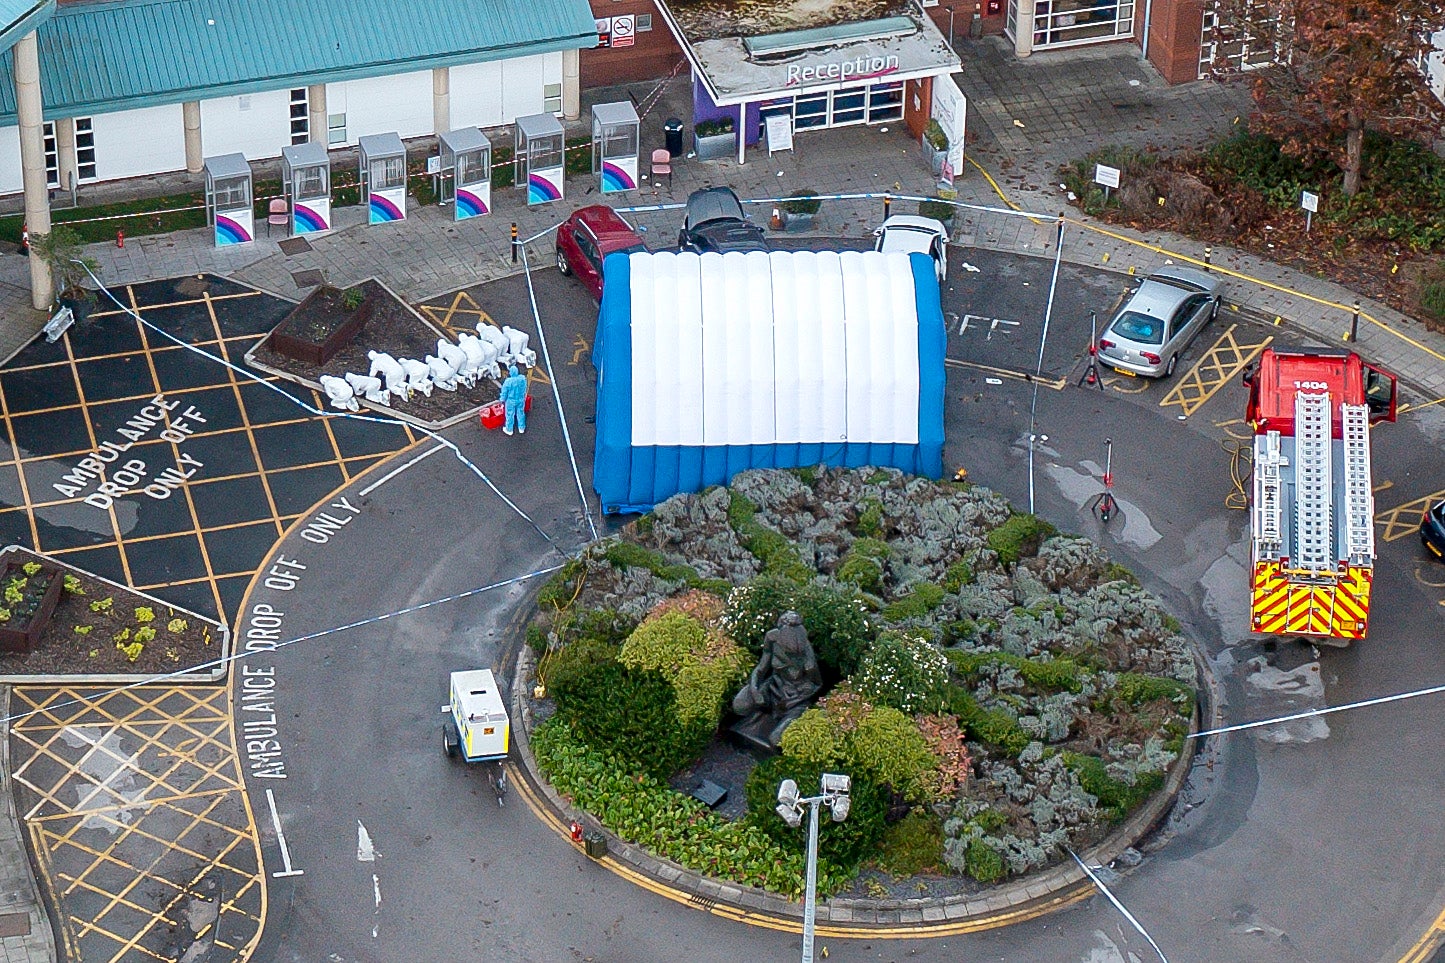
587, 237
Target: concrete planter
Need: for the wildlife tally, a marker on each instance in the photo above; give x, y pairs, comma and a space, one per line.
715, 146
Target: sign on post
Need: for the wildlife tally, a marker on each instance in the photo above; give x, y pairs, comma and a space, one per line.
1311, 203
1106, 177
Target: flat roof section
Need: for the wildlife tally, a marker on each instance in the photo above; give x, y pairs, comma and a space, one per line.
715, 19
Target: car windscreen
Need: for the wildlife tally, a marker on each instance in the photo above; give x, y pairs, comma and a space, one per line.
1139, 327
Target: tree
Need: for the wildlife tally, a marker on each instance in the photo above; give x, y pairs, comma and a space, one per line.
1341, 68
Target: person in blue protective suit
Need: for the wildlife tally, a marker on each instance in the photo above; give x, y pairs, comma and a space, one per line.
514, 401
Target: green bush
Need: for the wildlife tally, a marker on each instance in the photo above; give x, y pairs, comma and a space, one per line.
1432, 297
665, 643
629, 713
604, 625
776, 553
862, 571
843, 845
938, 210
562, 587
982, 863
536, 639
924, 598
1115, 797
992, 727
912, 845
837, 625
904, 671
670, 824
702, 666
1136, 689
631, 555
808, 202
1053, 675
814, 739
959, 574
888, 747
1078, 176
1018, 537
870, 518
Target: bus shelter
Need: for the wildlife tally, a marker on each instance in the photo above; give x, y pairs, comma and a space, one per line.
228, 199
614, 146
383, 177
539, 144
466, 172
306, 182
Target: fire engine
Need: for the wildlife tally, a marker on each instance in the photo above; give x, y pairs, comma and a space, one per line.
1312, 511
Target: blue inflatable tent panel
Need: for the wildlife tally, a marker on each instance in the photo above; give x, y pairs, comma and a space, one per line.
711, 364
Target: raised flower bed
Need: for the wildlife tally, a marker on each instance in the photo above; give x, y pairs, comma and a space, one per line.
30, 593
322, 324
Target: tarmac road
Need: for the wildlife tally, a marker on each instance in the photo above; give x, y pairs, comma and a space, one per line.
1313, 842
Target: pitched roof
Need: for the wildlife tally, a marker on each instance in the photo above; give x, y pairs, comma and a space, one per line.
107, 56
19, 17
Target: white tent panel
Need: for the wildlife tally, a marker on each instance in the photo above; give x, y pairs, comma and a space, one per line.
832, 352
714, 310
761, 377
644, 344
668, 326
689, 383
732, 310
863, 395
902, 351
791, 317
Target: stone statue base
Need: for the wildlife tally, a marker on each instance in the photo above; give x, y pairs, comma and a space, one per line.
754, 734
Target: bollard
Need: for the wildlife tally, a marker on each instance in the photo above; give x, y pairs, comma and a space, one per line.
887, 202
514, 242
1208, 256
1355, 324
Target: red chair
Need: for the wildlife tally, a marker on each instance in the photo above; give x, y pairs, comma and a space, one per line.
278, 213
661, 164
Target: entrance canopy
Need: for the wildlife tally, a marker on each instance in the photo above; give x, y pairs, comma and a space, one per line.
742, 59
709, 365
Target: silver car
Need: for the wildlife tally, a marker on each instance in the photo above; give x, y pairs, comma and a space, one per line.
1158, 321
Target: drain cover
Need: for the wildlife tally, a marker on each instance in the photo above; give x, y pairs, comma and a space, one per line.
294, 245
308, 278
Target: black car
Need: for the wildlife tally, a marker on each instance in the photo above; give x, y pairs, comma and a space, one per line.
714, 221
1432, 529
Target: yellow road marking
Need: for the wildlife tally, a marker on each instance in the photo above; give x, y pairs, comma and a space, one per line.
1226, 358
1405, 519
1432, 940
1057, 384
1236, 428
1118, 385
581, 349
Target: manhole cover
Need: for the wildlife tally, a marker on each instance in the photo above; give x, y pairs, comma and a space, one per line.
307, 279
14, 924
294, 245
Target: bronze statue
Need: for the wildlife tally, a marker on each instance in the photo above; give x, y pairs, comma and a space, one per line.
785, 679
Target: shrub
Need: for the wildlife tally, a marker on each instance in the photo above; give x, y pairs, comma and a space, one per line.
959, 574
711, 128
700, 663
1018, 537
1116, 797
924, 598
912, 845
1432, 297
904, 671
665, 643
862, 571
995, 728
631, 555
808, 202
870, 518
562, 588
935, 136
814, 739
670, 824
982, 863
352, 298
604, 625
1050, 674
1136, 689
844, 844
945, 739
888, 747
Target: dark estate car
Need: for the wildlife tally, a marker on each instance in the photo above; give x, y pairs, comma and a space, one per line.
714, 221
1432, 529
586, 238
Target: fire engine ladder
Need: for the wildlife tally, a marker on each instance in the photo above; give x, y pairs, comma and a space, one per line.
1268, 512
1314, 480
1359, 493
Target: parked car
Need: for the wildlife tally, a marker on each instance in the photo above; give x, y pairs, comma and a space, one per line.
714, 221
586, 238
909, 233
1157, 322
1432, 529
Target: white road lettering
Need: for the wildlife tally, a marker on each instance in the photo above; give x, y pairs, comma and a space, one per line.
365, 850
281, 841
320, 528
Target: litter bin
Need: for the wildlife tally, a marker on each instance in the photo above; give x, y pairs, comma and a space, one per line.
672, 132
595, 844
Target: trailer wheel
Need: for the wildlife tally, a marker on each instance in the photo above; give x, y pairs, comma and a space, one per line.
451, 739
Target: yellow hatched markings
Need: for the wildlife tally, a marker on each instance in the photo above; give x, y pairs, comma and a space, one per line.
1225, 359
156, 771
461, 316
1424, 948
1405, 519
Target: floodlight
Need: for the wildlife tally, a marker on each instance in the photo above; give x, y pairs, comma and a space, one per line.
841, 804
791, 814
788, 792
835, 783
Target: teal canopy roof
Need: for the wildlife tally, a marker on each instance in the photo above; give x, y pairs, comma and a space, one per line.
19, 17
121, 54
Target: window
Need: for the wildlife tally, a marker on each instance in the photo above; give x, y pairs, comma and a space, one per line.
1235, 47
84, 149
308, 183
644, 22
849, 106
52, 155
300, 116
620, 142
885, 102
1064, 22
231, 193
551, 98
388, 173
335, 129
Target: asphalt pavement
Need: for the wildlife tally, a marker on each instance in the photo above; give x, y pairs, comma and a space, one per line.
1265, 853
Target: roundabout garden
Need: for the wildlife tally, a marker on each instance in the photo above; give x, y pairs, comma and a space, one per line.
999, 694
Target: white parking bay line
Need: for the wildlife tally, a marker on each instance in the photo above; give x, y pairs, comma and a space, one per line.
399, 469
281, 840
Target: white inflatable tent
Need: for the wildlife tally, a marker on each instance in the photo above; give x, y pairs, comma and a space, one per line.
711, 364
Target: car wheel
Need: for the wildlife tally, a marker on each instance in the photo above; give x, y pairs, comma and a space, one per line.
562, 265
1169, 368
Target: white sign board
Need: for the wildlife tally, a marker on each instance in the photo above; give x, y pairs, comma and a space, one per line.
779, 128
950, 109
433, 165
624, 30
1106, 176
1310, 202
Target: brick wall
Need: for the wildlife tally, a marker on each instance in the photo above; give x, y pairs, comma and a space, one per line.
1174, 31
651, 57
